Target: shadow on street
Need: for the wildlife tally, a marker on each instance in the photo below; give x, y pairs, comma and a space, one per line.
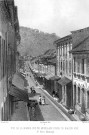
26, 83
39, 116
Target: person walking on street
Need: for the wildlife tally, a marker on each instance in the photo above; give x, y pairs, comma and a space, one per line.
43, 100
40, 98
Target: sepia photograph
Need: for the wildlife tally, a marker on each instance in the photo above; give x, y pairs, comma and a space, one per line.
44, 64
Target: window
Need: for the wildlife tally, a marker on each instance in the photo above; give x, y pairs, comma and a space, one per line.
78, 66
0, 49
88, 99
78, 94
82, 66
74, 65
0, 58
63, 50
61, 65
70, 67
66, 49
60, 50
4, 57
87, 70
66, 67
70, 48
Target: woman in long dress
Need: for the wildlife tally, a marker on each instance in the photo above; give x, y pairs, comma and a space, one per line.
43, 100
40, 98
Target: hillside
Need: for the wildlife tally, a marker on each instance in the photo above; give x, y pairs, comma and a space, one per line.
35, 42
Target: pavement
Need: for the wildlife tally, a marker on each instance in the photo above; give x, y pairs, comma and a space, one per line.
21, 112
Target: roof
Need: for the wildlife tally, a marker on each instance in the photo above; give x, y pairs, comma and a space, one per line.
55, 77
79, 30
52, 61
49, 54
64, 81
63, 39
49, 76
18, 80
40, 74
82, 47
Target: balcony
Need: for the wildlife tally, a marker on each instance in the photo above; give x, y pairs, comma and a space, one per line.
79, 76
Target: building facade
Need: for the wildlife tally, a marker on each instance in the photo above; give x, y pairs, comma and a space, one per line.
64, 70
9, 36
80, 54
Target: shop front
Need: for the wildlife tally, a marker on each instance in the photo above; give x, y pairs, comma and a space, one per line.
65, 92
54, 85
48, 83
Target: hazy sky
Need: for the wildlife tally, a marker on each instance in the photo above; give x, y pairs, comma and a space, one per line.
54, 16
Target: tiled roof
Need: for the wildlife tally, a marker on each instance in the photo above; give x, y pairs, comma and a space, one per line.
64, 81
52, 61
55, 77
82, 47
63, 39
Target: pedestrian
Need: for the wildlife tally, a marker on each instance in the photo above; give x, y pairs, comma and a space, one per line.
43, 100
36, 83
40, 100
28, 105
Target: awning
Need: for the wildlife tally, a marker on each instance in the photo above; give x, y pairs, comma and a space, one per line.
17, 88
18, 80
41, 74
52, 61
63, 81
55, 77
49, 76
18, 93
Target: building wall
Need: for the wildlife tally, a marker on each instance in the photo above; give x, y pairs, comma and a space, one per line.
64, 68
3, 46
64, 59
81, 82
7, 55
79, 35
80, 77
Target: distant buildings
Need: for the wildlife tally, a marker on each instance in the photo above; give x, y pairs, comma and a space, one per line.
9, 39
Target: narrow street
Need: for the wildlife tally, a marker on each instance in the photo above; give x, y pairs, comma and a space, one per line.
49, 112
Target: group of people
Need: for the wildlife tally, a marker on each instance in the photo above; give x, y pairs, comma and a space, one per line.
42, 100
33, 90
